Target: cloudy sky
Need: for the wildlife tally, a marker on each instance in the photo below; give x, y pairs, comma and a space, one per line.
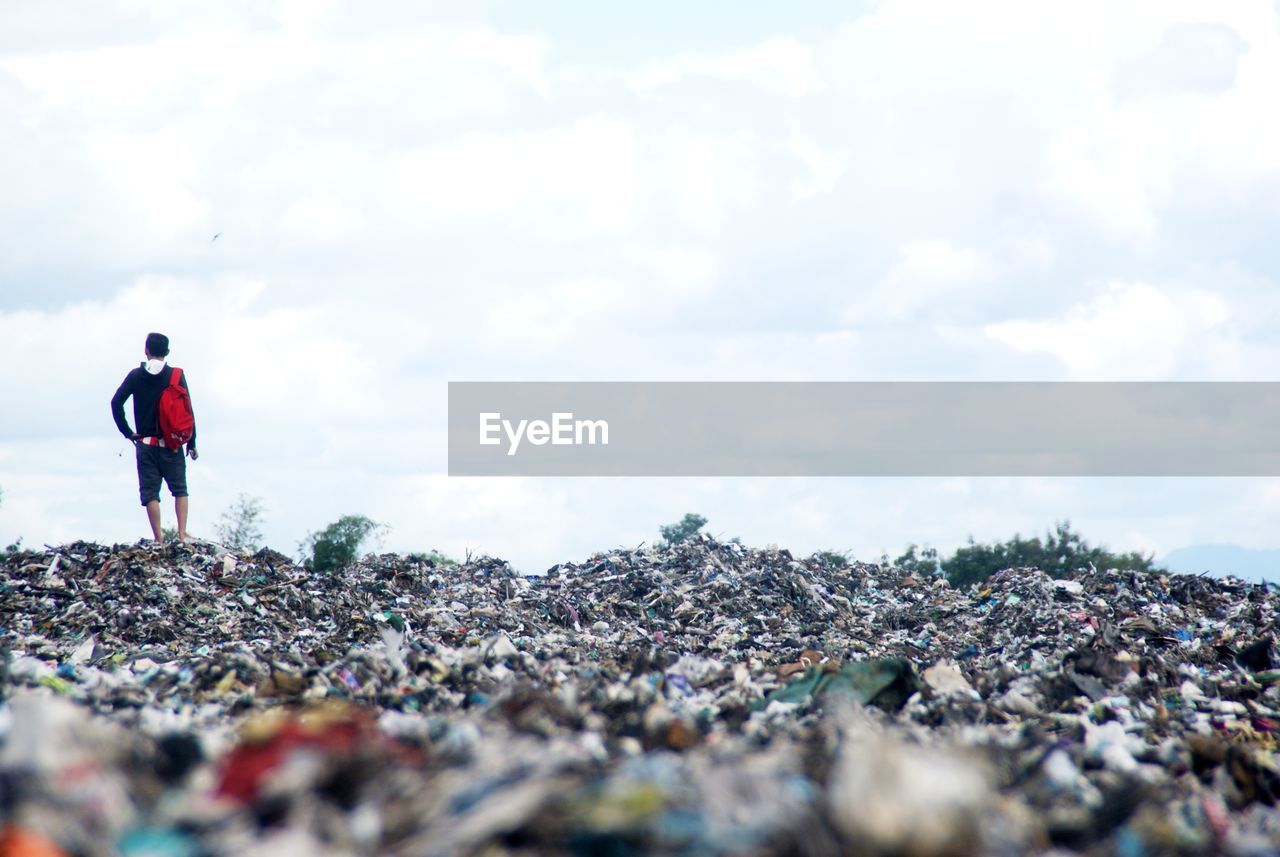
411, 193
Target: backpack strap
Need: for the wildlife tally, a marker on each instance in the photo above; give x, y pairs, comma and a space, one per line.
175, 377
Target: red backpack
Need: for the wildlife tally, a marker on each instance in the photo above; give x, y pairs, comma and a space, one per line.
177, 422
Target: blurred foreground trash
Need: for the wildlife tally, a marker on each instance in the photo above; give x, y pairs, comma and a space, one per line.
700, 698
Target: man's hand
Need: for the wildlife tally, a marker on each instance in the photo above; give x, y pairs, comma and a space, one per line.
191, 451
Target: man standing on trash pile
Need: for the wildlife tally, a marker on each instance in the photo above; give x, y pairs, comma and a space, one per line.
156, 460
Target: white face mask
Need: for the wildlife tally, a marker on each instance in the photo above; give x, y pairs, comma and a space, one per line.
154, 365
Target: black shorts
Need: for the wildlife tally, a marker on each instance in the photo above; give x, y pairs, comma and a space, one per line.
156, 463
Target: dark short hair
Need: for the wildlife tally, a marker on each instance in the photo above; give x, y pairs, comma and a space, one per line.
157, 345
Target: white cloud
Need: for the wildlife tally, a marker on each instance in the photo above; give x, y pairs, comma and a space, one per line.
928, 277
582, 177
674, 269
1190, 58
1115, 174
556, 316
779, 66
156, 174
937, 261
1132, 330
319, 220
825, 167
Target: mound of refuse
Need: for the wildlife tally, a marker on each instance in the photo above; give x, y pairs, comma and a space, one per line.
696, 698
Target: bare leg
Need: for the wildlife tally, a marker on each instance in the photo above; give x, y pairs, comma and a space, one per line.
153, 516
180, 509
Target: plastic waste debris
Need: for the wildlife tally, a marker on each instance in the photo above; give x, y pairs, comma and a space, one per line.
885, 682
703, 697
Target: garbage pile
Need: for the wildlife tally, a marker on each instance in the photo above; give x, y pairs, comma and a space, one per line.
697, 698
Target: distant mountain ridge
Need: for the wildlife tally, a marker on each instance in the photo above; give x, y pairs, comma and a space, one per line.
1223, 559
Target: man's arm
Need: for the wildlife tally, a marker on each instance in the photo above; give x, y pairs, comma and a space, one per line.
123, 392
191, 444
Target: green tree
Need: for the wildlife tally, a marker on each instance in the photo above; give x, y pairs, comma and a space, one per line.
682, 530
918, 560
831, 559
240, 527
337, 544
1061, 553
434, 557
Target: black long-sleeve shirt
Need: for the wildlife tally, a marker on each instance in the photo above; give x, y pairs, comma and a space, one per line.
145, 389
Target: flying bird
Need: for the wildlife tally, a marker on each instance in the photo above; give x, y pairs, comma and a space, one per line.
214, 238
